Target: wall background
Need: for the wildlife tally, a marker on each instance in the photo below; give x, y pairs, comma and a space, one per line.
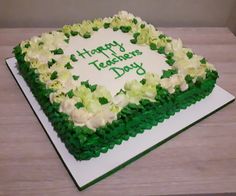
173, 13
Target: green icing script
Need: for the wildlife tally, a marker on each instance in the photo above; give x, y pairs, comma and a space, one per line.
109, 51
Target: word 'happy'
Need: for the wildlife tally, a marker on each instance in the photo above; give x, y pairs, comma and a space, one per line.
102, 50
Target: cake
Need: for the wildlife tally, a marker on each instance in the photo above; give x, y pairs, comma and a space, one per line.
103, 81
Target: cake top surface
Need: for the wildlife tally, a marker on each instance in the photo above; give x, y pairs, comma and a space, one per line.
109, 59
96, 68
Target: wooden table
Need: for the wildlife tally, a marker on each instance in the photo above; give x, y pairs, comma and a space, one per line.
200, 160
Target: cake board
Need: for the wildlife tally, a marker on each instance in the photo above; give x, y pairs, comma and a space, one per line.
86, 173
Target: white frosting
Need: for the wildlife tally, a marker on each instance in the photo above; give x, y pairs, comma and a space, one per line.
152, 61
80, 116
67, 106
120, 100
101, 118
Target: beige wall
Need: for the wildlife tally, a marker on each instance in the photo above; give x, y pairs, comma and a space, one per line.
55, 13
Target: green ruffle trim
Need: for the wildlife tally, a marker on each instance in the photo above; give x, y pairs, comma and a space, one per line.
133, 119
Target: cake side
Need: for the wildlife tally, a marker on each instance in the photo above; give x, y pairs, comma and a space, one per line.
137, 107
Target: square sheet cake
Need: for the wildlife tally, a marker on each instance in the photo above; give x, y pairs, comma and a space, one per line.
104, 80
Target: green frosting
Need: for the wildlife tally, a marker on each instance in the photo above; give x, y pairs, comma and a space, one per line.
189, 55
83, 143
103, 100
53, 75
58, 51
75, 77
70, 93
168, 73
68, 66
79, 105
50, 63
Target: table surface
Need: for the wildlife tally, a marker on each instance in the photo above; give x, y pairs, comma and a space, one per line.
200, 160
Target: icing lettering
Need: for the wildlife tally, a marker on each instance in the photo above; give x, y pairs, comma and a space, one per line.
115, 53
120, 71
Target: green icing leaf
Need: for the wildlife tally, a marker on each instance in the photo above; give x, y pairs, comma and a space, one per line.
57, 51
143, 81
93, 87
188, 79
75, 77
79, 105
67, 35
170, 55
125, 29
133, 41
73, 58
68, 66
74, 33
67, 40
53, 75
170, 61
70, 93
162, 36
134, 21
203, 61
168, 73
106, 25
87, 85
189, 54
115, 28
50, 63
153, 46
95, 29
87, 35
27, 45
103, 100
135, 35
161, 50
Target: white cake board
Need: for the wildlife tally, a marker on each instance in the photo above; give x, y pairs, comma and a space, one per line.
85, 173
